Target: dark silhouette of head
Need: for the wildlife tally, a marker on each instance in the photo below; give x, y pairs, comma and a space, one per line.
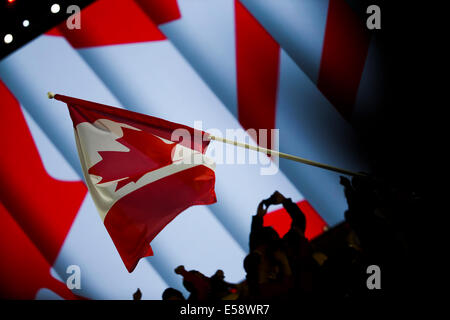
268, 237
251, 265
172, 294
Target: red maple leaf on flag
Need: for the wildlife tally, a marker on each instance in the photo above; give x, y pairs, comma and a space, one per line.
147, 153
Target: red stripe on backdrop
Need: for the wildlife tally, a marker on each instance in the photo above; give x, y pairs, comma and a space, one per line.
103, 23
160, 11
132, 223
257, 62
23, 270
43, 206
54, 32
280, 220
344, 54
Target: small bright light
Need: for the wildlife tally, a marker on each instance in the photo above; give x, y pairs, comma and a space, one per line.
11, 1
8, 38
55, 8
26, 23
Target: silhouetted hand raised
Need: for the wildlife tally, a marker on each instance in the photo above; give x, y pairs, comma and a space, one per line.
137, 295
179, 270
277, 198
261, 211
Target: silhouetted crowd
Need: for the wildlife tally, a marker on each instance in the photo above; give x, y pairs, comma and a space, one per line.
377, 231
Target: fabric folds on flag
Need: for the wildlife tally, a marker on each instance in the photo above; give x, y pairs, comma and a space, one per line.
141, 171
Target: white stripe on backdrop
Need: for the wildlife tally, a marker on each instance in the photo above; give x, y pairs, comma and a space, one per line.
205, 36
297, 25
299, 28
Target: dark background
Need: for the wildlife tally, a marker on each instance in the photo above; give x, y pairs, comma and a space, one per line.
37, 12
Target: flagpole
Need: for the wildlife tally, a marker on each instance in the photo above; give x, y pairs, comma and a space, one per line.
288, 156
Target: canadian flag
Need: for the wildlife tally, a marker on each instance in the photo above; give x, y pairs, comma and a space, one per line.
139, 174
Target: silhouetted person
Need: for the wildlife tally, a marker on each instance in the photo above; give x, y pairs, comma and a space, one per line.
249, 289
172, 294
196, 283
296, 246
219, 287
261, 236
383, 216
261, 282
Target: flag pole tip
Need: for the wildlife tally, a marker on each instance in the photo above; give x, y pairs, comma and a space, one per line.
50, 95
